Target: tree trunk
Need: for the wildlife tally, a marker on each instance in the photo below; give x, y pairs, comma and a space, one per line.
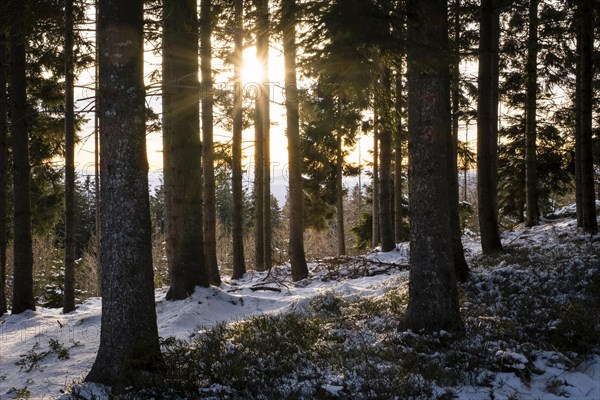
182, 156
129, 352
69, 288
259, 162
22, 253
375, 178
210, 216
239, 262
460, 264
97, 153
531, 179
588, 198
466, 170
578, 197
3, 171
398, 233
339, 190
487, 127
433, 294
262, 54
296, 196
385, 180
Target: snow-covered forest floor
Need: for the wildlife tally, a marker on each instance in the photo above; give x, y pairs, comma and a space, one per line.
532, 323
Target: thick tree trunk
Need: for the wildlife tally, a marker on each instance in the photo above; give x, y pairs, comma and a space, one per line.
398, 232
588, 198
296, 196
22, 243
433, 294
129, 351
487, 127
3, 171
339, 191
69, 288
208, 162
262, 54
460, 264
531, 179
182, 156
385, 180
375, 178
239, 262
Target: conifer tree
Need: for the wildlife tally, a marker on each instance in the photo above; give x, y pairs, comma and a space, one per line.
129, 351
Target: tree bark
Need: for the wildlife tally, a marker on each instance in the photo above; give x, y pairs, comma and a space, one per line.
129, 352
339, 191
433, 294
460, 264
262, 54
531, 179
385, 180
239, 262
487, 127
69, 288
3, 171
259, 162
182, 154
210, 219
22, 243
578, 197
375, 178
398, 231
588, 198
296, 196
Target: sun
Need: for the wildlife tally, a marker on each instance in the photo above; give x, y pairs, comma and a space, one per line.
252, 69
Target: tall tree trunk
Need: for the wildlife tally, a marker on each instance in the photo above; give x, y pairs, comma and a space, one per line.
210, 216
531, 179
460, 264
578, 197
3, 171
259, 162
433, 294
339, 191
22, 243
239, 262
129, 351
487, 127
296, 196
97, 152
588, 198
69, 288
262, 54
385, 180
375, 178
182, 154
398, 234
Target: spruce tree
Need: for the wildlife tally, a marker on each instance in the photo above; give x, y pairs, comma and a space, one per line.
129, 351
182, 154
433, 294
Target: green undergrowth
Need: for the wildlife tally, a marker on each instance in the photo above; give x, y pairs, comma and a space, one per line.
526, 303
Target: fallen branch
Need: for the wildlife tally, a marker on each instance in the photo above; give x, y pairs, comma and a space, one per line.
387, 264
272, 289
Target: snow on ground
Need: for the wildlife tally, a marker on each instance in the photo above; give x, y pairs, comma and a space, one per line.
24, 336
33, 344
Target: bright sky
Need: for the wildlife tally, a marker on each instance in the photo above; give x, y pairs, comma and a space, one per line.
251, 71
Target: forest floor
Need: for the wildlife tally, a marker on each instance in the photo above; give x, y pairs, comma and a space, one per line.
532, 328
